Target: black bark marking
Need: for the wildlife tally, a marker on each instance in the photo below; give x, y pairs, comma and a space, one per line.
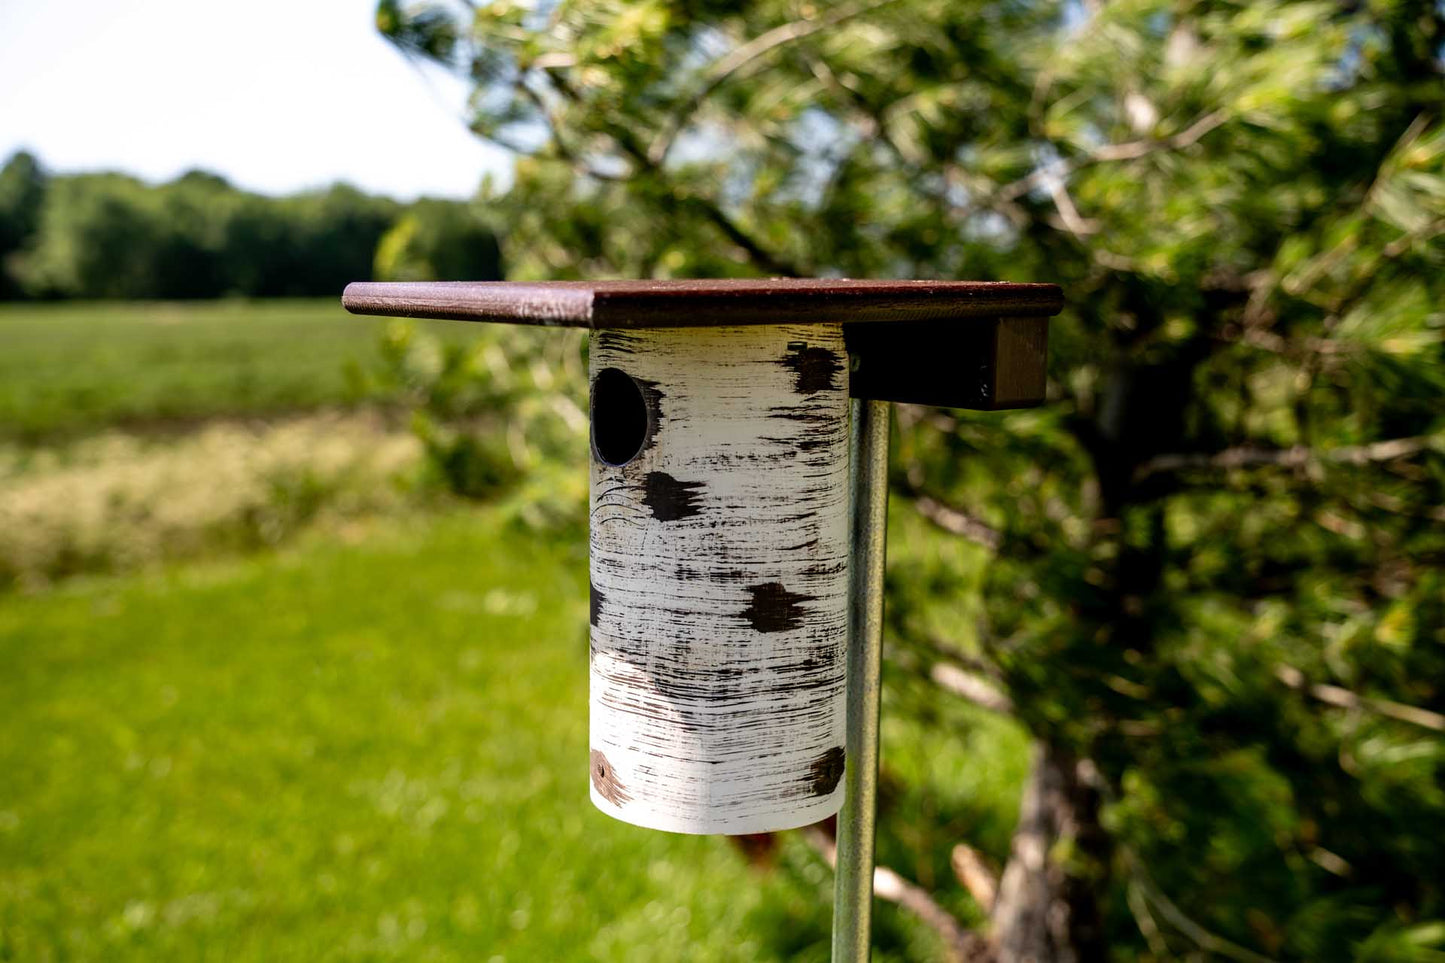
594, 602
825, 771
774, 609
604, 780
805, 415
821, 660
611, 340
653, 395
669, 498
816, 368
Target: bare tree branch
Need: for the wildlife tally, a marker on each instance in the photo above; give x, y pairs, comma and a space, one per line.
1069, 218
1246, 456
1345, 699
761, 256
1130, 150
966, 660
961, 944
957, 521
968, 685
1176, 917
564, 150
1139, 908
1149, 892
973, 871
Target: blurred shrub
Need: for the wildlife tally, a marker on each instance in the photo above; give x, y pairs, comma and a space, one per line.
491, 410
22, 189
99, 236
116, 502
438, 241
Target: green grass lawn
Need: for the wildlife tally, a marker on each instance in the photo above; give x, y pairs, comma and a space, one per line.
372, 748
73, 368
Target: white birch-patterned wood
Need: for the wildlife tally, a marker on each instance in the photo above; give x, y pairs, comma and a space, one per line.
719, 567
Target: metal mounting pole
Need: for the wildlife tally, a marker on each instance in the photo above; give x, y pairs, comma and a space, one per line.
868, 490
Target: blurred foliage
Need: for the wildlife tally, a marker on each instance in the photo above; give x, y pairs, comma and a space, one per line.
438, 241
1208, 573
116, 502
493, 409
22, 189
113, 236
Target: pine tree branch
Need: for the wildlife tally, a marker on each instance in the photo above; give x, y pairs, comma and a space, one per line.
1345, 699
1257, 315
1299, 284
564, 150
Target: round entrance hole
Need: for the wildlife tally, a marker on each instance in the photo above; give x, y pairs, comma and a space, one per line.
619, 417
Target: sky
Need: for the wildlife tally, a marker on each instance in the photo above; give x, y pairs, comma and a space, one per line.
275, 95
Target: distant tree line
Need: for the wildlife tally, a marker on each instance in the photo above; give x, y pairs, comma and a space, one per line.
109, 235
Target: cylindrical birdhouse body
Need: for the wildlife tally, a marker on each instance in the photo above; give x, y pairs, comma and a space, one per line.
719, 575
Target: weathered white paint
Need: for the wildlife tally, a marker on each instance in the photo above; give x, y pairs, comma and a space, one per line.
719, 578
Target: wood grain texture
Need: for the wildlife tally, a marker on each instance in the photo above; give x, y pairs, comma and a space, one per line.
719, 581
655, 304
1020, 356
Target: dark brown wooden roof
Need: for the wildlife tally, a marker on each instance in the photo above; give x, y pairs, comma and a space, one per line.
655, 304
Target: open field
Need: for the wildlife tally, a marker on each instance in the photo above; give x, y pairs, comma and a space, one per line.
67, 369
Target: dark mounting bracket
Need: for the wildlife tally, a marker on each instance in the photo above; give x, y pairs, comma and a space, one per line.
985, 364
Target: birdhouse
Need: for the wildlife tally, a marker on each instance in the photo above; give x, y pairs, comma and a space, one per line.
719, 510
719, 565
